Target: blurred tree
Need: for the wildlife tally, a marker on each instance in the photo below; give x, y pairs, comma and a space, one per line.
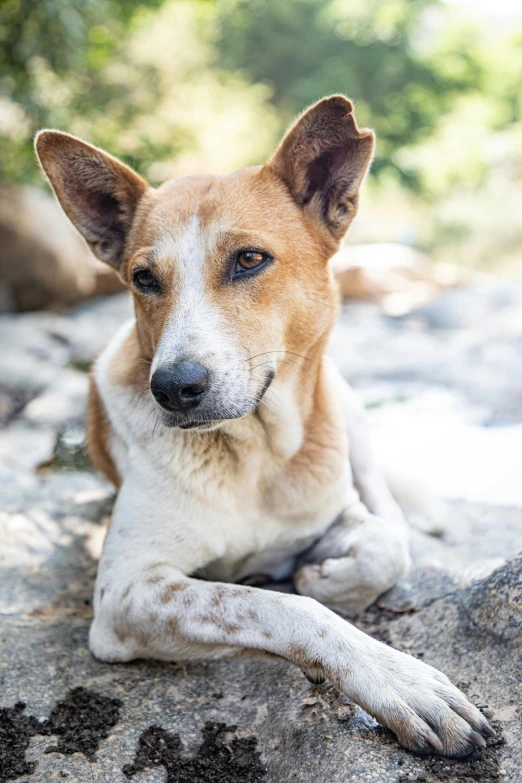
175, 86
134, 76
368, 49
43, 42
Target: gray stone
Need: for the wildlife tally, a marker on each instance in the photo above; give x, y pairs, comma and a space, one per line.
23, 448
63, 402
495, 604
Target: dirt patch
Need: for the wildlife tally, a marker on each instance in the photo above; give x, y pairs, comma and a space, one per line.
16, 730
219, 759
80, 722
482, 767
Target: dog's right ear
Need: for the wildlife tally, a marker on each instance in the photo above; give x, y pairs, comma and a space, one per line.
98, 193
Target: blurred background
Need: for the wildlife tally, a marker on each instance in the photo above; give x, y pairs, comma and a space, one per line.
431, 327
195, 85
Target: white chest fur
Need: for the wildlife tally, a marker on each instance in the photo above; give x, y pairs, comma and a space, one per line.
230, 506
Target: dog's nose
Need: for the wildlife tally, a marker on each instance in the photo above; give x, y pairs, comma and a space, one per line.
180, 386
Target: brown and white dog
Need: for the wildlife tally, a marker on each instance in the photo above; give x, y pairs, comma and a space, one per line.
236, 446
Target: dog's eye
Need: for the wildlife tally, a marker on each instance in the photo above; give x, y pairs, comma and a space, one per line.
248, 261
143, 278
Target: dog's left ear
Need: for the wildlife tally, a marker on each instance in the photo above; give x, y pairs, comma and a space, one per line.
323, 159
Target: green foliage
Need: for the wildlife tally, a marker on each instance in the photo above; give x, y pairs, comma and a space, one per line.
180, 86
134, 77
304, 49
47, 49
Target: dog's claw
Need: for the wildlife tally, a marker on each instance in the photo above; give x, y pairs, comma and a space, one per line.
315, 676
477, 739
434, 741
487, 729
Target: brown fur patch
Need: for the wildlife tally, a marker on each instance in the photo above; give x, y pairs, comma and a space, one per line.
230, 627
170, 591
121, 637
212, 619
155, 580
99, 433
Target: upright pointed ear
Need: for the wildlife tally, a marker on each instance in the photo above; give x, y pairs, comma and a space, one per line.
98, 193
323, 159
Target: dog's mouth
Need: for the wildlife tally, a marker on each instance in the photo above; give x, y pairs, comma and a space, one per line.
201, 425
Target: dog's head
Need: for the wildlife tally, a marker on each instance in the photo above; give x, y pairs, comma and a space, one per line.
229, 275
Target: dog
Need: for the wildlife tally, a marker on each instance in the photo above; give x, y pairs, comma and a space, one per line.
236, 446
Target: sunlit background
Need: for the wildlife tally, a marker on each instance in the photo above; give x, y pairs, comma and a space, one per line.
179, 86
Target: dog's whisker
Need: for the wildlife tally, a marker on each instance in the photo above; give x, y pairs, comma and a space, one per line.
285, 361
291, 353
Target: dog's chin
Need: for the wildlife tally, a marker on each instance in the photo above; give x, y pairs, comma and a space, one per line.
202, 424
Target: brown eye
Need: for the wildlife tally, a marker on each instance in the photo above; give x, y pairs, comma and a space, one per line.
248, 261
143, 278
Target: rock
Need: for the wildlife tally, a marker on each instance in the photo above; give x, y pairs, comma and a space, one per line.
494, 605
473, 635
89, 326
64, 401
468, 305
422, 587
399, 276
23, 448
42, 258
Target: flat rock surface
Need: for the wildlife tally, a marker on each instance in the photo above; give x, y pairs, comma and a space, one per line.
66, 716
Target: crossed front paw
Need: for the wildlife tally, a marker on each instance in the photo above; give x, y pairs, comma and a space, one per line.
372, 562
418, 703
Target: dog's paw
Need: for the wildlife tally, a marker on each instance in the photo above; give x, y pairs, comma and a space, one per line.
374, 561
336, 583
418, 703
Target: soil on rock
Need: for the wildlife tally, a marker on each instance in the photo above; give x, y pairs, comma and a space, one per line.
16, 730
482, 767
218, 759
80, 721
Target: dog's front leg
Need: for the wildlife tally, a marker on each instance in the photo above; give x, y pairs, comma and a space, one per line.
158, 612
145, 606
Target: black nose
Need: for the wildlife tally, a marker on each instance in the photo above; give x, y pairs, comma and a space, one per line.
180, 386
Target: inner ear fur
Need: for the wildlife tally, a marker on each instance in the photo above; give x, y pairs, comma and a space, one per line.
323, 159
98, 193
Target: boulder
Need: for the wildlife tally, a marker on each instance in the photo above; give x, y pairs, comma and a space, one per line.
400, 277
43, 261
